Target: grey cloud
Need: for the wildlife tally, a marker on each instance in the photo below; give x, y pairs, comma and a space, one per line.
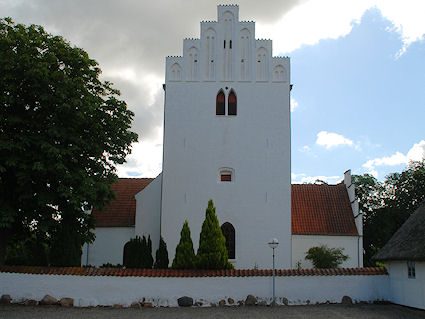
135, 35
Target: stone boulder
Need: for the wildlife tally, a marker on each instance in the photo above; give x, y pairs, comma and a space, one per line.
136, 305
48, 300
185, 301
5, 299
31, 302
346, 300
222, 303
250, 300
66, 302
231, 301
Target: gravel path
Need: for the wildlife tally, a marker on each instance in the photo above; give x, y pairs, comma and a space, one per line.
316, 311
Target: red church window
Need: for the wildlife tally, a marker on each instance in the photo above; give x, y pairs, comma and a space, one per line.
232, 104
226, 177
219, 107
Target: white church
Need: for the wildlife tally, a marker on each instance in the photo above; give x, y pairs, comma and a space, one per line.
227, 137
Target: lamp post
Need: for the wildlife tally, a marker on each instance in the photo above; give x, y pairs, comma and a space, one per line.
273, 243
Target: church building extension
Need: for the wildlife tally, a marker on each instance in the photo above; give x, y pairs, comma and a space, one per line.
227, 137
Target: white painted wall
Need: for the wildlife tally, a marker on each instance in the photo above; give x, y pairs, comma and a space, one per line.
148, 212
255, 144
302, 243
108, 246
94, 291
407, 291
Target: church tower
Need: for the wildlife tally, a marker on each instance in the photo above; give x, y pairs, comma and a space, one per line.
227, 138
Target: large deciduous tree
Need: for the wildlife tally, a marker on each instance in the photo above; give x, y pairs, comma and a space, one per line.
387, 205
62, 131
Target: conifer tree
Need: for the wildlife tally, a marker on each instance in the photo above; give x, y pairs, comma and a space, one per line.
133, 253
149, 258
138, 253
212, 252
161, 260
185, 255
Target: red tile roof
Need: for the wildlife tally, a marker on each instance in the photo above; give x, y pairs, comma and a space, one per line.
316, 209
122, 211
136, 272
321, 210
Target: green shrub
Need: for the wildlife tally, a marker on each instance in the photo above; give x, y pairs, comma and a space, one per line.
212, 252
185, 255
138, 253
161, 260
325, 257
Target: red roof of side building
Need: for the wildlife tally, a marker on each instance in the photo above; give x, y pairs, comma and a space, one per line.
316, 209
122, 210
321, 210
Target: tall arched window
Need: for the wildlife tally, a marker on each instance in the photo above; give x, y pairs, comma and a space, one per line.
126, 256
232, 104
229, 233
219, 106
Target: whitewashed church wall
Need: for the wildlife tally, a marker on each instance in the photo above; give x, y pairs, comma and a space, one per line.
407, 291
108, 246
302, 243
148, 208
108, 290
255, 144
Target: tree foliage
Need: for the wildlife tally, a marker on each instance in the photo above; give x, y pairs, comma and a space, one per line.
184, 257
62, 131
324, 257
212, 252
138, 253
161, 260
386, 205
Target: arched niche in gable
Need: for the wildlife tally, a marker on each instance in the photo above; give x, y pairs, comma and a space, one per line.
244, 53
210, 47
192, 64
175, 72
262, 63
227, 24
279, 73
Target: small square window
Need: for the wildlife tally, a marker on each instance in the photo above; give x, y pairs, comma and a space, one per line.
411, 272
226, 177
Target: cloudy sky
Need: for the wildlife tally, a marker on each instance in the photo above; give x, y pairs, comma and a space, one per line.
358, 69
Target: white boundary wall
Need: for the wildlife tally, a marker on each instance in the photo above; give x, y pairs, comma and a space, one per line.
164, 291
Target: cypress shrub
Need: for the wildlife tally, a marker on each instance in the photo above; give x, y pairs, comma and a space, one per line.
138, 253
185, 255
133, 251
161, 260
212, 252
148, 262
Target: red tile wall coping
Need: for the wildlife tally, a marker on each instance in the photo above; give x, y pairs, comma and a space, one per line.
120, 272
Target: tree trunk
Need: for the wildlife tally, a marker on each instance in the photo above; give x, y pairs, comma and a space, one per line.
4, 238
